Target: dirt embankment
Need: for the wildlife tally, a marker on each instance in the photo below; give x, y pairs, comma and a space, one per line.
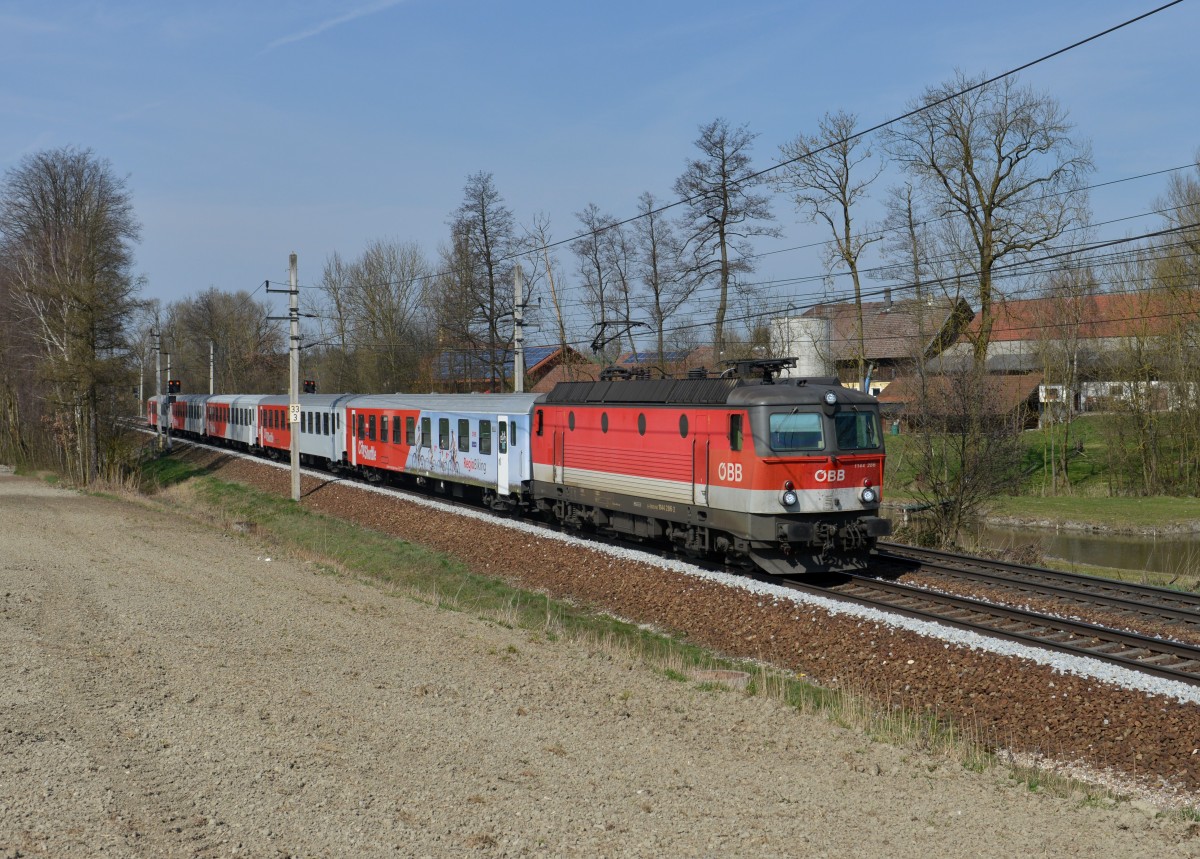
171, 691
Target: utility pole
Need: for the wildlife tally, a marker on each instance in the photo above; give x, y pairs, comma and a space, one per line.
158, 428
293, 317
518, 330
167, 405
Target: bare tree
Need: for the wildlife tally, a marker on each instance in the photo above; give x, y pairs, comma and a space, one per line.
658, 267
335, 325
544, 265
998, 161
723, 213
483, 242
67, 228
601, 281
827, 174
249, 350
377, 317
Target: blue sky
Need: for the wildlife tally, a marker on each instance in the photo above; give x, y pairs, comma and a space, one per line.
251, 130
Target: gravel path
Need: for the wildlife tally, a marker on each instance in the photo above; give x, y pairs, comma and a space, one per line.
168, 691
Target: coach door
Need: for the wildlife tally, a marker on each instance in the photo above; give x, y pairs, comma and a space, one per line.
351, 442
502, 456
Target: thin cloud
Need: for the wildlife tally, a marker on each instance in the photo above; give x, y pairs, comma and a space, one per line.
333, 22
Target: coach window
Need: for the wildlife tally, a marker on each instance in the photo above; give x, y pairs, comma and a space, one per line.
395, 429
464, 435
325, 424
410, 431
735, 432
371, 428
362, 427
444, 433
485, 438
427, 432
383, 428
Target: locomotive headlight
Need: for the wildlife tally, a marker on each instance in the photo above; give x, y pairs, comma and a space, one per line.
869, 496
789, 496
830, 398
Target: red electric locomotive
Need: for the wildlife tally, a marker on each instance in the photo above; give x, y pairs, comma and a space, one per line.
784, 473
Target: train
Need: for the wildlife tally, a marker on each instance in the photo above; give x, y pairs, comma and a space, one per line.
749, 468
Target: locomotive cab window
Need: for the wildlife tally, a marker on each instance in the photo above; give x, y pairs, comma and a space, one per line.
857, 430
798, 431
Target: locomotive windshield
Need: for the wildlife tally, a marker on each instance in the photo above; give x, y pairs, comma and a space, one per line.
800, 431
857, 430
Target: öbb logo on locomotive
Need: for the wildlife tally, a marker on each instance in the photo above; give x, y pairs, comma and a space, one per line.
748, 468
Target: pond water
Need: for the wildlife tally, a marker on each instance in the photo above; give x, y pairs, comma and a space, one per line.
1176, 554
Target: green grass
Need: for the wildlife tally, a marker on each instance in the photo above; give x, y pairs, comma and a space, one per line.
1157, 512
167, 469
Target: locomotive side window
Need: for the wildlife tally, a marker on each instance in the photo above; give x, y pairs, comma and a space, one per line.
735, 432
570, 420
857, 430
426, 432
410, 431
641, 424
539, 421
464, 435
444, 433
485, 437
604, 422
683, 427
801, 431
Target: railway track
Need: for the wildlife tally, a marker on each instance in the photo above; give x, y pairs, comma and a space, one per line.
1170, 656
1156, 656
1165, 603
